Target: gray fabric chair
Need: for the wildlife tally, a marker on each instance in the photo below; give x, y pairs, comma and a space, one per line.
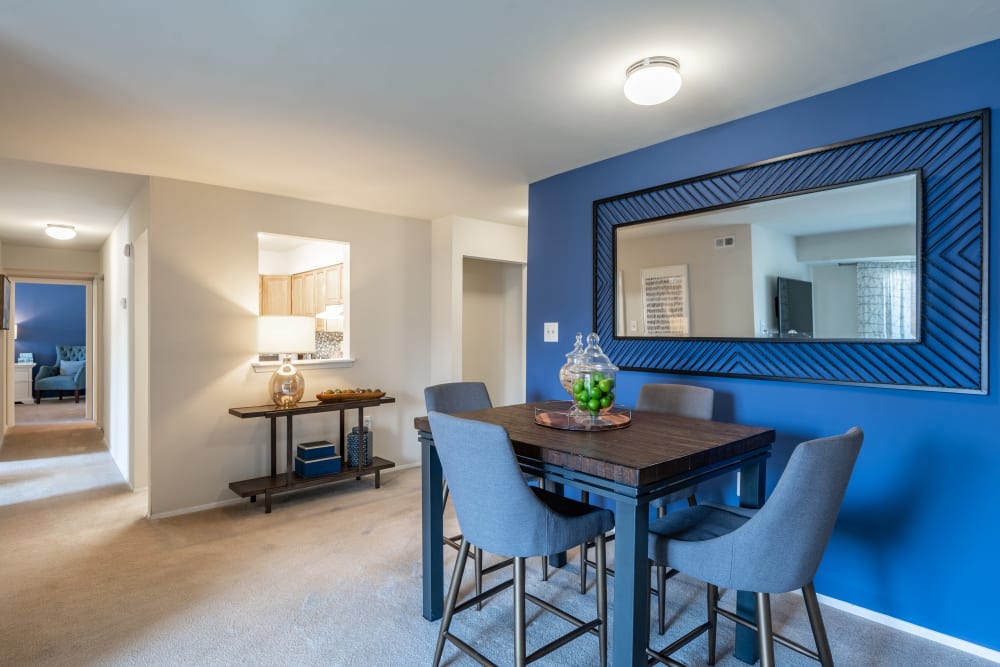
500, 513
684, 400
775, 549
449, 398
69, 373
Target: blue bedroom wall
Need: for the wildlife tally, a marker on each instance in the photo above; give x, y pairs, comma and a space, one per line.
917, 536
49, 315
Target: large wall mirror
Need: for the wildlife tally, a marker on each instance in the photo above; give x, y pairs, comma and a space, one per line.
863, 262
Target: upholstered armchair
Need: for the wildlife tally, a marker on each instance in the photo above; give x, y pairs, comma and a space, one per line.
69, 373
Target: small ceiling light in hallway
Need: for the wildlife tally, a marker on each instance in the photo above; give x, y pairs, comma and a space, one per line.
652, 80
61, 232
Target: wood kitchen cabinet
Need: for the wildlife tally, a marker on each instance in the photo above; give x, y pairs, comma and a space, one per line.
333, 280
306, 293
303, 293
275, 295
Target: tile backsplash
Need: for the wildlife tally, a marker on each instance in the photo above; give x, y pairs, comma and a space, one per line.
328, 345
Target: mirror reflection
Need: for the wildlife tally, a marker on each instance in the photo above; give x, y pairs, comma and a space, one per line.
835, 264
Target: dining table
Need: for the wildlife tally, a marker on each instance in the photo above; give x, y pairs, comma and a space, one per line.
647, 456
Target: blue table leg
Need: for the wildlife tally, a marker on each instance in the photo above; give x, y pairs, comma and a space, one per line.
752, 480
631, 607
432, 528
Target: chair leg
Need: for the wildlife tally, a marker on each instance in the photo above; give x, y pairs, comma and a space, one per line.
713, 620
38, 396
692, 501
449, 607
545, 568
479, 576
765, 638
76, 395
520, 631
816, 622
602, 596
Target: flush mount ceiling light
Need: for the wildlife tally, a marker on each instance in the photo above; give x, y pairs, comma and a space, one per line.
652, 80
61, 232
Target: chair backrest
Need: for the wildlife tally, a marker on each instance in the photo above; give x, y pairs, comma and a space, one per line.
452, 397
684, 400
780, 548
71, 353
496, 508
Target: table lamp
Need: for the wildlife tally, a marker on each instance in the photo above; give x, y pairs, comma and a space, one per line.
286, 335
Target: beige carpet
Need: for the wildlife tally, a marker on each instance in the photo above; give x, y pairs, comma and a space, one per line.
50, 411
331, 577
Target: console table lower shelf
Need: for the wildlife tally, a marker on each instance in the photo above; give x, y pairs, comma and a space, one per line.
273, 484
290, 480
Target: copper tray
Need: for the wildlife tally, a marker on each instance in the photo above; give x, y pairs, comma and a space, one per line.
556, 414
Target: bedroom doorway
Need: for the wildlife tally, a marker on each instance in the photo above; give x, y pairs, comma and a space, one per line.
47, 313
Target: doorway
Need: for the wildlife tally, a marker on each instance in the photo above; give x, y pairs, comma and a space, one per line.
47, 313
493, 327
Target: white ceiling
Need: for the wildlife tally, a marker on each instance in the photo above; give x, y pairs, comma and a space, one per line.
421, 109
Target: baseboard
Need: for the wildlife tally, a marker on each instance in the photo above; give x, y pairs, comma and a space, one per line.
197, 508
910, 628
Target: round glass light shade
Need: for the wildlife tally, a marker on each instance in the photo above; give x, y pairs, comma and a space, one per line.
652, 80
287, 385
61, 232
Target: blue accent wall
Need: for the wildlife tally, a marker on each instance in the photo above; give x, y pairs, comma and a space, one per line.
49, 315
918, 534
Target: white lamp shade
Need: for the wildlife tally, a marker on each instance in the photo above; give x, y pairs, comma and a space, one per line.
652, 80
280, 334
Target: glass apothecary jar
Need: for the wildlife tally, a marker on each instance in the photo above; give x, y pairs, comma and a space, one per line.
590, 379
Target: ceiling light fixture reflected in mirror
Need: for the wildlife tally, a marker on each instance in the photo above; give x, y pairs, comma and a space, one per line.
652, 80
61, 232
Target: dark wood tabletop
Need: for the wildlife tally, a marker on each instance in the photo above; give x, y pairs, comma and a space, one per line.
653, 447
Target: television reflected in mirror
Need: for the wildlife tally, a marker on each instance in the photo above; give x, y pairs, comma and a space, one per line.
838, 263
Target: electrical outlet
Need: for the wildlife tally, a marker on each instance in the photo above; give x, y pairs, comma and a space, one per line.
368, 422
551, 332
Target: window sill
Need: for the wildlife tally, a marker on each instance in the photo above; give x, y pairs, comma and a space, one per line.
303, 365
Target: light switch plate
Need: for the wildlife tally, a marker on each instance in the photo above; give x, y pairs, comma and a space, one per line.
551, 332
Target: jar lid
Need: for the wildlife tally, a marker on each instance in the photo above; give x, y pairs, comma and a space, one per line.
573, 356
594, 356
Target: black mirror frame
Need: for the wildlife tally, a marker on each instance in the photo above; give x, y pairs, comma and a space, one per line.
951, 351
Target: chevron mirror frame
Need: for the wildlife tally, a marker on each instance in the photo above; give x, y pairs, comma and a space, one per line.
949, 353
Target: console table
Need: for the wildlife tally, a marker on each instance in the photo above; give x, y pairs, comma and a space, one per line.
288, 480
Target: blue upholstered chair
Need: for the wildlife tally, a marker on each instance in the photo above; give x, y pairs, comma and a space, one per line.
684, 400
69, 373
775, 549
452, 397
449, 398
499, 512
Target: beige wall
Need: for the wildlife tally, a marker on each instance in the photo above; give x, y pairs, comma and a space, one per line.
493, 328
454, 239
116, 334
41, 262
203, 307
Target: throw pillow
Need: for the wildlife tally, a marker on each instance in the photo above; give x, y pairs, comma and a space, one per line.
70, 367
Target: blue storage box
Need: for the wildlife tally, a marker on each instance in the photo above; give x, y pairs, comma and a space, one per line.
352, 448
316, 467
320, 449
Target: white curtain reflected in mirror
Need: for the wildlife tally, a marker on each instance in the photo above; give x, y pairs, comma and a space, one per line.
886, 298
